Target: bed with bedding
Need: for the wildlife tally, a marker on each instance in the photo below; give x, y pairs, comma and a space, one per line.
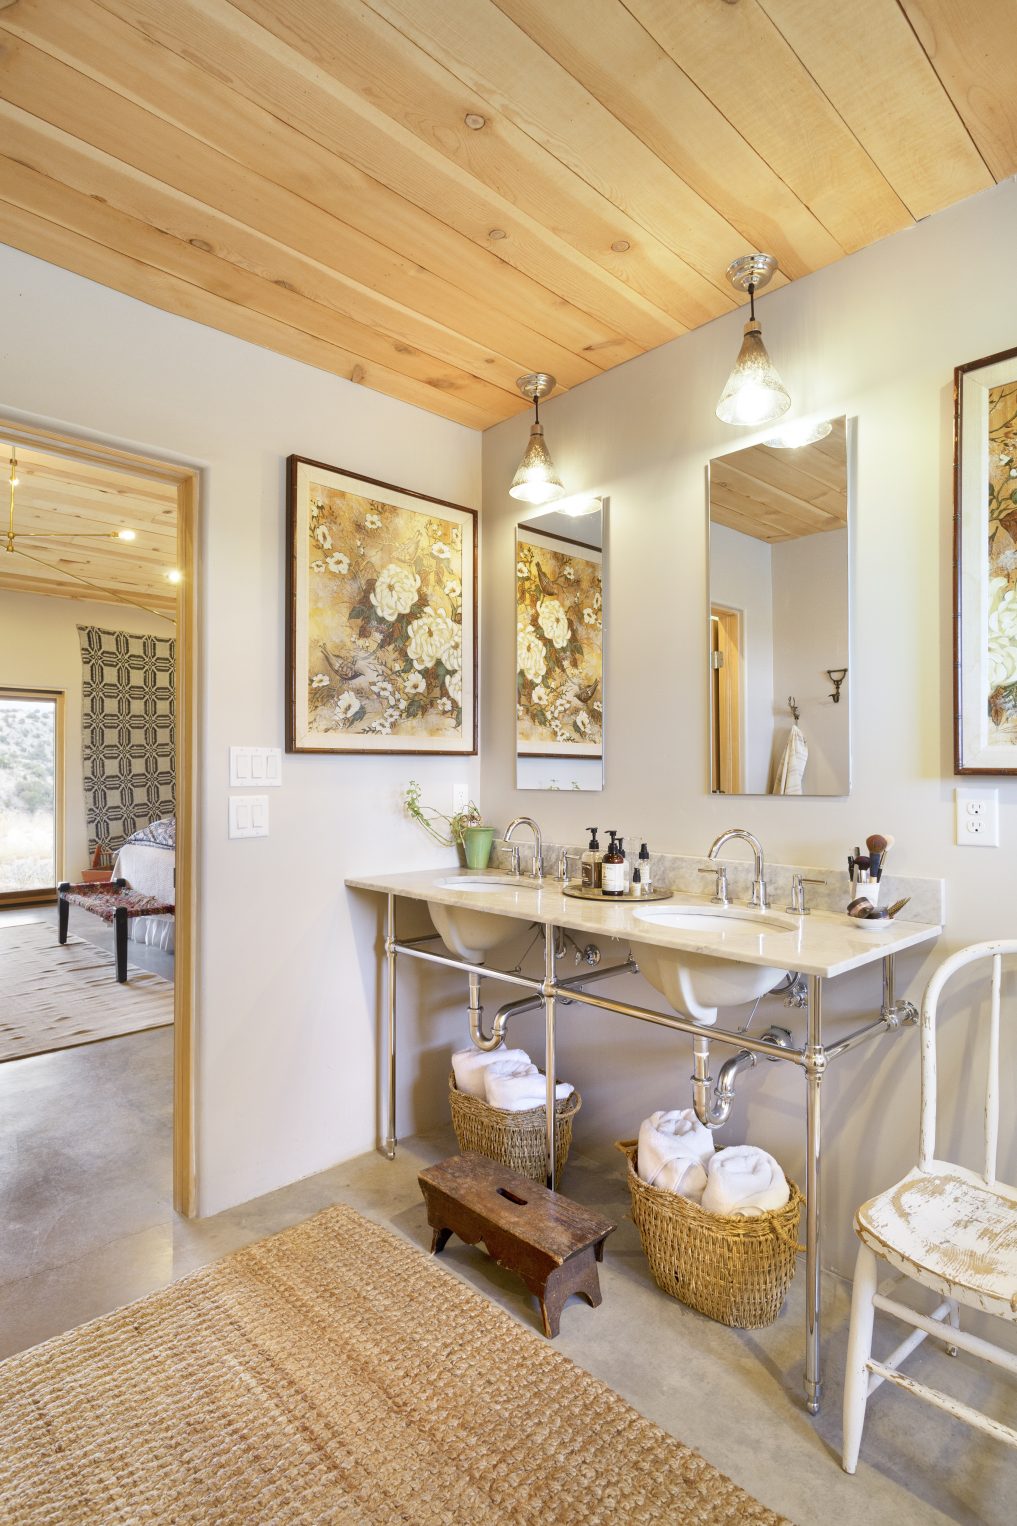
147, 861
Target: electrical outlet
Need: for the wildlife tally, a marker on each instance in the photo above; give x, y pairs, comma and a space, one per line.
460, 797
977, 818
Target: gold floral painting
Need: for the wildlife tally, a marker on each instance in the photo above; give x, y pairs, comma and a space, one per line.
1002, 601
559, 647
382, 617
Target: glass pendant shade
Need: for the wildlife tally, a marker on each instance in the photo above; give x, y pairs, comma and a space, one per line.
792, 436
754, 393
536, 479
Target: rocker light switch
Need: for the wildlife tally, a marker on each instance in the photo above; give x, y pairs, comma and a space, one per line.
255, 766
248, 816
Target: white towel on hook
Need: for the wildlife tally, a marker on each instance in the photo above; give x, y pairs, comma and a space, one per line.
674, 1148
468, 1066
515, 1087
790, 775
744, 1180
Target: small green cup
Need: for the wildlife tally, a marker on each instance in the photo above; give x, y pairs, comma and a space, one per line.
478, 842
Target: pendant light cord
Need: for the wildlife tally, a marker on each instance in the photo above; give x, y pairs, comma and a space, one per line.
536, 410
752, 301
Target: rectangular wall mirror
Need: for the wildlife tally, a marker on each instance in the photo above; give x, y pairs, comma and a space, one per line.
559, 579
780, 618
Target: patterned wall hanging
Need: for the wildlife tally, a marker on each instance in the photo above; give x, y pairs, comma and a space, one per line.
128, 732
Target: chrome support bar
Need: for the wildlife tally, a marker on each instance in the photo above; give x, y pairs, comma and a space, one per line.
460, 964
573, 983
815, 1067
686, 1025
550, 1057
390, 957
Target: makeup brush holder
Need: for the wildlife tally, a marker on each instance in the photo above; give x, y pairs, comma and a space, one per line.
867, 888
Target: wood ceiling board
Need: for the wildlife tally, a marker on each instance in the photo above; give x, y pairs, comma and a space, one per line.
787, 472
739, 59
973, 49
659, 104
486, 293
102, 190
61, 246
266, 69
889, 95
759, 500
515, 76
747, 524
419, 106
60, 498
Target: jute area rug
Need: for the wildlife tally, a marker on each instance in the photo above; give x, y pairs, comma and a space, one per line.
332, 1373
56, 996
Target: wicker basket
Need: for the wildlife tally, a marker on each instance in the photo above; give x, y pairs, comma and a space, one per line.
517, 1140
735, 1269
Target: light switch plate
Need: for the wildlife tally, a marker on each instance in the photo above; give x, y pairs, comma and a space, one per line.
255, 766
977, 821
248, 816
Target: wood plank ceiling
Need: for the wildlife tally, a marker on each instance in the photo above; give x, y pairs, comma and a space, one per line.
776, 494
67, 514
302, 173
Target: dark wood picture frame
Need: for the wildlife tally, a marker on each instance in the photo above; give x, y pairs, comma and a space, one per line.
973, 509
377, 489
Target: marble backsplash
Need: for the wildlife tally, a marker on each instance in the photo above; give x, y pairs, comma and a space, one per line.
681, 872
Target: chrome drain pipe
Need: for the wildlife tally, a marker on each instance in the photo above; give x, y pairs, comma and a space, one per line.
714, 1111
511, 1009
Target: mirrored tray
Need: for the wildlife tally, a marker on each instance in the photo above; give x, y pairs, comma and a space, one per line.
585, 893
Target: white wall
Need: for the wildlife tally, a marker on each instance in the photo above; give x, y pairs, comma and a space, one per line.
39, 649
810, 634
741, 578
287, 958
875, 337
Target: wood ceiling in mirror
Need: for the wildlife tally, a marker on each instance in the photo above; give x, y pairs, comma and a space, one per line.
300, 172
61, 498
776, 494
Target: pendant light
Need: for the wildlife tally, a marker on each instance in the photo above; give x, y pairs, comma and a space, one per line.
536, 479
754, 393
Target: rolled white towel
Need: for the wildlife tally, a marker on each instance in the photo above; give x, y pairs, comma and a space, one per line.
515, 1087
744, 1180
674, 1148
468, 1066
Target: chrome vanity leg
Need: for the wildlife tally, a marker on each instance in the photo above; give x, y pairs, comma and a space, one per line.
815, 1065
390, 1131
550, 1061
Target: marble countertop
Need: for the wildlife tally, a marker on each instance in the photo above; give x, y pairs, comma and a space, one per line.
824, 943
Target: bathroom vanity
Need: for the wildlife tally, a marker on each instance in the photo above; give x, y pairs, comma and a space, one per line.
693, 951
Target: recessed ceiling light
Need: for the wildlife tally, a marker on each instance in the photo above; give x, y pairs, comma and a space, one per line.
127, 535
474, 120
174, 575
497, 233
621, 245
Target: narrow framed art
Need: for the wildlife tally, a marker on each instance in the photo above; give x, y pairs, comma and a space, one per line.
559, 646
382, 633
985, 565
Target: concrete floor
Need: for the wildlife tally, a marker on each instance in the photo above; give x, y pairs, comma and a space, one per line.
88, 1225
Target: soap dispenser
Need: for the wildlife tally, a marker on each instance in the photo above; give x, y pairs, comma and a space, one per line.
645, 877
592, 860
613, 868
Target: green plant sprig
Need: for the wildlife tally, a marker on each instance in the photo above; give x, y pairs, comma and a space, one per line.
428, 817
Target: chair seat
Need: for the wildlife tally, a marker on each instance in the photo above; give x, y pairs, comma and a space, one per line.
953, 1233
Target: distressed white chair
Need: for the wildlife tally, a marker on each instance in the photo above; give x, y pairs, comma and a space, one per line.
949, 1228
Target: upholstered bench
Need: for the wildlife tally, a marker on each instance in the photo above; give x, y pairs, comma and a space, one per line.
113, 902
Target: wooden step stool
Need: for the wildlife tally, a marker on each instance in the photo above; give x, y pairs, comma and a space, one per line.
552, 1243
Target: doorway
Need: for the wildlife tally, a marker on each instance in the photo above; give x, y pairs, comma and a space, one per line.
725, 700
85, 496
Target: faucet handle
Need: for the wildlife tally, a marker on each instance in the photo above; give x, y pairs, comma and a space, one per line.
513, 848
719, 897
798, 907
564, 858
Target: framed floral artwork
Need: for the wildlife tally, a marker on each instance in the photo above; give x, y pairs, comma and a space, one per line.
382, 595
985, 566
559, 647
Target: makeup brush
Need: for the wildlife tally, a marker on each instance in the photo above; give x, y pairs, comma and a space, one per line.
897, 907
877, 843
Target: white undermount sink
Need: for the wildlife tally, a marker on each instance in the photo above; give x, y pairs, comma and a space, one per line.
698, 983
473, 934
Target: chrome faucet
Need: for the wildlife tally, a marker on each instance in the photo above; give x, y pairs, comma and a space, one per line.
537, 872
758, 896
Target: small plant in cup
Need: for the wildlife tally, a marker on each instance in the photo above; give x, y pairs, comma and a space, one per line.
454, 832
